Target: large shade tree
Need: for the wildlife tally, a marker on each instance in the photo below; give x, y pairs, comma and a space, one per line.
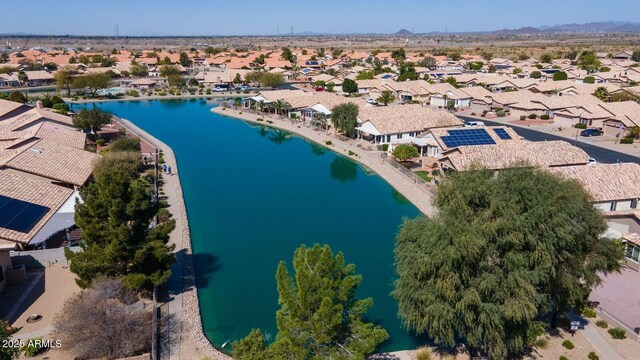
115, 216
319, 316
344, 117
503, 254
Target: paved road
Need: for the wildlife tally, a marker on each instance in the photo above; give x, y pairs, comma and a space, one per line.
600, 154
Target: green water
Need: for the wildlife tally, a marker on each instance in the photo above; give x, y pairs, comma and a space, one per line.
253, 196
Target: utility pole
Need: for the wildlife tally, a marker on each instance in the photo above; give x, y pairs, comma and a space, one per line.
291, 30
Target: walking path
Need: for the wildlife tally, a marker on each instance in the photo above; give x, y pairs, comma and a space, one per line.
184, 336
418, 194
592, 335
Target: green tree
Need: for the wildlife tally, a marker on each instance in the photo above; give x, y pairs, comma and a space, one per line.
428, 62
22, 76
601, 93
546, 58
184, 60
535, 74
492, 261
404, 152
344, 117
91, 119
138, 70
271, 80
636, 56
455, 56
386, 97
517, 71
407, 71
17, 96
589, 61
319, 316
559, 76
93, 82
252, 77
118, 242
451, 80
486, 55
349, 86
64, 78
7, 352
330, 86
365, 75
280, 106
287, 54
399, 55
176, 80
589, 80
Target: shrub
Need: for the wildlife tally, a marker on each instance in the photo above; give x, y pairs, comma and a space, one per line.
589, 313
501, 113
126, 144
485, 111
626, 140
483, 115
617, 333
473, 114
602, 324
328, 143
533, 116
100, 142
544, 117
162, 93
523, 117
351, 153
385, 147
593, 356
568, 344
423, 354
580, 126
33, 347
541, 343
563, 358
435, 172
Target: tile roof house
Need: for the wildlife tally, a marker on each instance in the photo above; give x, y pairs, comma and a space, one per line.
388, 124
441, 140
46, 159
614, 187
42, 197
509, 154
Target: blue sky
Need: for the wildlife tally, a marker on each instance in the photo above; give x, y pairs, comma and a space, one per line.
255, 17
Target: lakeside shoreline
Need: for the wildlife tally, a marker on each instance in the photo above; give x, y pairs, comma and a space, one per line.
189, 317
419, 196
158, 97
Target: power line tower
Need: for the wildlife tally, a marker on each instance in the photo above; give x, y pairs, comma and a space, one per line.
116, 31
278, 31
291, 30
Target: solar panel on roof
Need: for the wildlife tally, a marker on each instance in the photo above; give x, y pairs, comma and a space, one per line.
465, 137
20, 215
386, 76
502, 134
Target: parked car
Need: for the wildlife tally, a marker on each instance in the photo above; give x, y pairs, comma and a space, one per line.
473, 123
319, 88
372, 101
245, 88
219, 89
590, 132
592, 161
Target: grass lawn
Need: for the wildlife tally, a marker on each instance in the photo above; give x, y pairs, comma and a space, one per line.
424, 175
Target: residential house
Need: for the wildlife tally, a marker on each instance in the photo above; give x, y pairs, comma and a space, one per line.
440, 140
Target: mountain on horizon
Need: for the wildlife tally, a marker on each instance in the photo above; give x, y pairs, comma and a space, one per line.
403, 32
593, 27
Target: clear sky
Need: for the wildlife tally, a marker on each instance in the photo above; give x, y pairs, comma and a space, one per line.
263, 17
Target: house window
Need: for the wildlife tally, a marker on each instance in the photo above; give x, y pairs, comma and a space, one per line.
613, 206
388, 138
632, 252
634, 203
399, 136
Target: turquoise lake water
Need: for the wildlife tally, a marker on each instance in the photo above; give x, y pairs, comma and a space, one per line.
253, 196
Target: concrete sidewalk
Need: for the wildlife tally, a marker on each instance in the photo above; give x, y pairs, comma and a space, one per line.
592, 335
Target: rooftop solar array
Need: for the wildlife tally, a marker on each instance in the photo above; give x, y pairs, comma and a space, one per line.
502, 134
462, 137
20, 215
386, 76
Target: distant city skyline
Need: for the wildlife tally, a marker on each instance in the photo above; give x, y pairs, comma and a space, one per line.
253, 17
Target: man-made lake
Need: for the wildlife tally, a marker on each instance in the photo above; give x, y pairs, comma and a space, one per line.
253, 196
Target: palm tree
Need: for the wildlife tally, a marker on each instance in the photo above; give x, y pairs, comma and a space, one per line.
281, 105
634, 132
386, 97
261, 105
22, 76
319, 120
601, 93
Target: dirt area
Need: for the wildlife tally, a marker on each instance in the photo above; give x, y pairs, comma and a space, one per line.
555, 349
627, 348
45, 294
